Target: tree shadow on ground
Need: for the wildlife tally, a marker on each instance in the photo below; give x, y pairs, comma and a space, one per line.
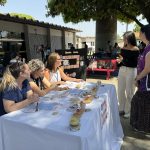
134, 140
97, 75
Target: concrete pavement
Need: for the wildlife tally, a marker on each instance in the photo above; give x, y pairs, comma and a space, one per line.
132, 140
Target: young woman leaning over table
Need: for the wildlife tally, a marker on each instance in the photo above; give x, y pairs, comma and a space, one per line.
39, 84
54, 73
16, 91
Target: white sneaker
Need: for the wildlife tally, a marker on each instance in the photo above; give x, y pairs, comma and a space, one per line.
127, 115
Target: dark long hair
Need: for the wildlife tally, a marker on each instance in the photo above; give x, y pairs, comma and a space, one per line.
146, 30
130, 36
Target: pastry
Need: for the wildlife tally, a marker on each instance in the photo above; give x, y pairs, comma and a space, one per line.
88, 99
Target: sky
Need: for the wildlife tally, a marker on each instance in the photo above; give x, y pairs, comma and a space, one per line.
36, 8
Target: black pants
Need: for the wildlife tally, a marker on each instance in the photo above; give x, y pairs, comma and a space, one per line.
140, 111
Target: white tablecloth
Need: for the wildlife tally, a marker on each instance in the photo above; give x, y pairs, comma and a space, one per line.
100, 128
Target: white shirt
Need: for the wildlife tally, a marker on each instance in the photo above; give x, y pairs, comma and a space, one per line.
55, 76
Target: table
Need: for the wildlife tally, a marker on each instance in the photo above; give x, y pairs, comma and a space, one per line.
100, 127
103, 65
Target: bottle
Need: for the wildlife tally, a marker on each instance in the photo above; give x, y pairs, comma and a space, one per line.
82, 105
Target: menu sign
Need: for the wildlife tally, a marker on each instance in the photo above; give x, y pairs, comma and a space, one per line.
74, 62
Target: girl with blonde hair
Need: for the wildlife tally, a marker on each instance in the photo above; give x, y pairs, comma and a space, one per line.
15, 88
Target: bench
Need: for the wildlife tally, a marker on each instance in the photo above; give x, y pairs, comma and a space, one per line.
104, 65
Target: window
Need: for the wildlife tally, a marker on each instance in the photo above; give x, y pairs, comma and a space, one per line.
12, 42
92, 43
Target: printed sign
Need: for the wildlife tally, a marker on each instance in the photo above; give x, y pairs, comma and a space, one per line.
104, 112
74, 62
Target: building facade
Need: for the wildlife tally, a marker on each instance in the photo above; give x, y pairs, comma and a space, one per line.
90, 41
26, 36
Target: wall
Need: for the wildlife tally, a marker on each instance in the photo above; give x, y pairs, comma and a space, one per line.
11, 26
56, 39
37, 37
78, 42
68, 39
90, 41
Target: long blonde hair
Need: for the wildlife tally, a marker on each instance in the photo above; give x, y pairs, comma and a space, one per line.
10, 75
52, 58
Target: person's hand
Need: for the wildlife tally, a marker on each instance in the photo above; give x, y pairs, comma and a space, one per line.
33, 98
60, 82
54, 86
136, 83
61, 88
79, 80
119, 59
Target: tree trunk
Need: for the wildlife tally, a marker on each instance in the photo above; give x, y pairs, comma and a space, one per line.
106, 30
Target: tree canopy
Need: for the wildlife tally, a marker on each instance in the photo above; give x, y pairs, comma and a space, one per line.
21, 16
136, 28
2, 2
84, 10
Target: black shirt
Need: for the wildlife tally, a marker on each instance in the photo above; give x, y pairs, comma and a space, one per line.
38, 82
130, 58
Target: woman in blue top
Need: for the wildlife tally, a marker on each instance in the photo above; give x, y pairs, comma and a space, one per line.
15, 87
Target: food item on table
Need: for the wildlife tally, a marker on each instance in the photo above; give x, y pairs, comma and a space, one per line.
75, 119
87, 109
73, 107
78, 113
55, 113
94, 89
74, 123
85, 93
99, 83
82, 105
88, 99
63, 88
75, 100
78, 86
66, 88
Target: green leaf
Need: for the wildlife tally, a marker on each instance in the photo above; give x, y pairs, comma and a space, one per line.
84, 10
21, 16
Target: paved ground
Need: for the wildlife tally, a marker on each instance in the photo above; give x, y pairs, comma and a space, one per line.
132, 139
